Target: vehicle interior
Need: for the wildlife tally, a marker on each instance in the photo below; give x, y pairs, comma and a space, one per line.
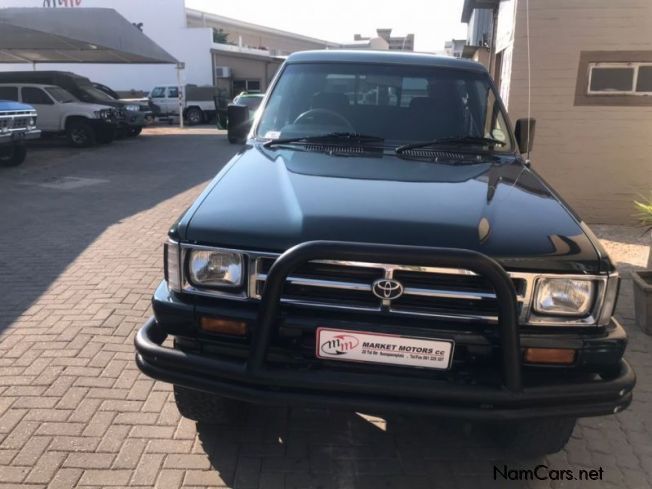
395, 103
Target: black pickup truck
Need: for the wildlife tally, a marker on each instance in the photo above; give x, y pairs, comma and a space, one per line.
380, 243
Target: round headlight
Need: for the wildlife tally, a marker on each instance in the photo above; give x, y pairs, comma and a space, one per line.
216, 268
563, 297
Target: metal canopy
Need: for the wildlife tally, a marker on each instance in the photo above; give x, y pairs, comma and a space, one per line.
85, 35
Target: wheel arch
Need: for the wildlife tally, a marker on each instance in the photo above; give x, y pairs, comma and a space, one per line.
74, 117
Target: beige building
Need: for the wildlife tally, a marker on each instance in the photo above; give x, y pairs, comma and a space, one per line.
242, 34
395, 43
246, 56
590, 92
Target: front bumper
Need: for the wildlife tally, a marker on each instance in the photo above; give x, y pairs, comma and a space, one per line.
135, 118
103, 124
378, 393
258, 380
18, 136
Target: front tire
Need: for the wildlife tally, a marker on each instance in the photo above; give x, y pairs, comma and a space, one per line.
195, 116
13, 156
80, 134
134, 131
534, 438
205, 407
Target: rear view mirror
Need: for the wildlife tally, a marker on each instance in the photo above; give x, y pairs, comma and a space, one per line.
524, 133
238, 123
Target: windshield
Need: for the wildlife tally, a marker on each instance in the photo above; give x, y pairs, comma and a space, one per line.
60, 95
90, 94
399, 103
98, 94
106, 90
158, 92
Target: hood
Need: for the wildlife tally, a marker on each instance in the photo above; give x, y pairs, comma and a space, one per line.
110, 103
10, 105
83, 106
270, 200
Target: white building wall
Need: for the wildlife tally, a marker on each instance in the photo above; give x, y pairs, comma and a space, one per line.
164, 21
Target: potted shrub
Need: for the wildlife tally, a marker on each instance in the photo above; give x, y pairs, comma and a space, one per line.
643, 278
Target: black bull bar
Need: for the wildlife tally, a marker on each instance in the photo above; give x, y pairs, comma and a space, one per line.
256, 381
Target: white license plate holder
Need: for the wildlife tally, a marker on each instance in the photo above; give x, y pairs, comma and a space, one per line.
387, 349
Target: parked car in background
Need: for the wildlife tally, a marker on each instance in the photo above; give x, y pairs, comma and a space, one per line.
144, 103
59, 112
381, 244
252, 101
129, 118
198, 104
17, 125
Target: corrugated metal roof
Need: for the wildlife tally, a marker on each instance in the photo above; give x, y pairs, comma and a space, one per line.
88, 35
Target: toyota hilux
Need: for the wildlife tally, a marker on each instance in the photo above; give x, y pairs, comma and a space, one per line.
382, 243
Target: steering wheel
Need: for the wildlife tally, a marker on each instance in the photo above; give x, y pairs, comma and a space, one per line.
316, 116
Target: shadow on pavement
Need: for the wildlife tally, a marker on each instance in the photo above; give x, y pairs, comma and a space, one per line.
312, 448
58, 203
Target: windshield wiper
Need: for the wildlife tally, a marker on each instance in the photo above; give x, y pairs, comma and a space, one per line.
451, 140
340, 137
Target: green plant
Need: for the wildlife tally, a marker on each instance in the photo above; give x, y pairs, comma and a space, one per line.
220, 37
644, 212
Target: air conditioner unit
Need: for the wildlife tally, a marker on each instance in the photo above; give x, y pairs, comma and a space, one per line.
222, 72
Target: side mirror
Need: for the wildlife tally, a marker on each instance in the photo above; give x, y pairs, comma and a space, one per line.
238, 123
524, 132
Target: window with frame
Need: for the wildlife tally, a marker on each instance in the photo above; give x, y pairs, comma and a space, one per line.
240, 86
9, 93
158, 92
33, 95
633, 78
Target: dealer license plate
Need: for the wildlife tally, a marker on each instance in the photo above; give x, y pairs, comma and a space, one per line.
360, 346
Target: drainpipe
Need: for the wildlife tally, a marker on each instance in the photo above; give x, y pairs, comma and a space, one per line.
492, 44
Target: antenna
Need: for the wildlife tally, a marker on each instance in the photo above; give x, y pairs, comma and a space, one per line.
529, 75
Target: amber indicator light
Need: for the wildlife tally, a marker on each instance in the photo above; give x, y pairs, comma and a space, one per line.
560, 356
223, 326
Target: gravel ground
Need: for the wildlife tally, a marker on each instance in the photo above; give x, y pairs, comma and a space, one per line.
628, 246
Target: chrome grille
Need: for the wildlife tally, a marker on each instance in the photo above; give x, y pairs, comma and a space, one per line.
16, 120
20, 122
428, 291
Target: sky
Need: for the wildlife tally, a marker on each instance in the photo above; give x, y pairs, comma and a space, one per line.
432, 21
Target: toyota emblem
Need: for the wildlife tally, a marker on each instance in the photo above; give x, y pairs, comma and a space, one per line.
387, 289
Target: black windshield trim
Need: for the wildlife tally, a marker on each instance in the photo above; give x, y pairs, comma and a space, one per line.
453, 142
344, 138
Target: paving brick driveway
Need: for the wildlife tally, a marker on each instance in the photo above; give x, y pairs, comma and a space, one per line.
80, 253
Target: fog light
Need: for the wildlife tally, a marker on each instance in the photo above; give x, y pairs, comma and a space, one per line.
560, 356
223, 326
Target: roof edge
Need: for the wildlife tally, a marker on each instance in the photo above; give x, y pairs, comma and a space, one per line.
384, 56
198, 14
